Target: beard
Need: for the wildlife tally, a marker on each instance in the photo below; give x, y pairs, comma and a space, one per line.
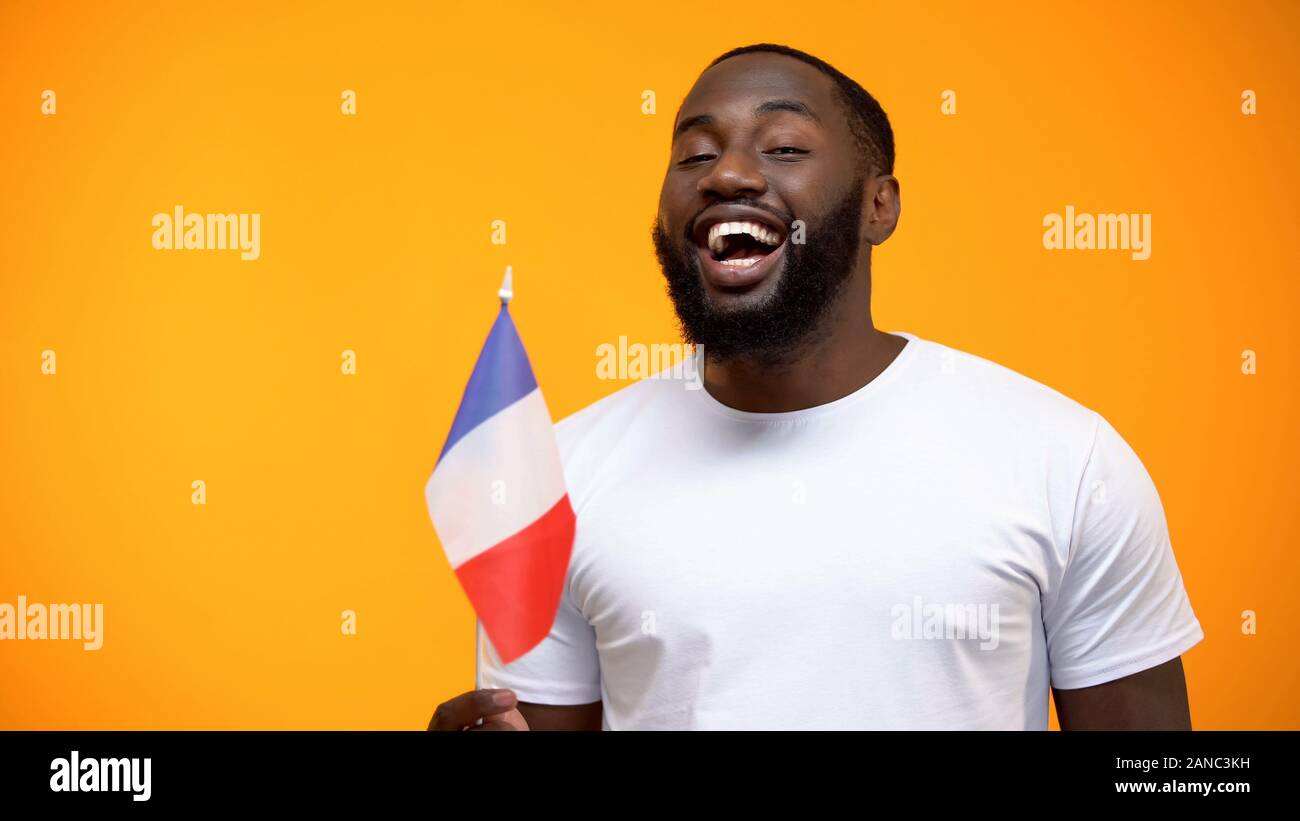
771, 331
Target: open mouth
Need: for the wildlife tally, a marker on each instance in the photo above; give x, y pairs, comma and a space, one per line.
739, 250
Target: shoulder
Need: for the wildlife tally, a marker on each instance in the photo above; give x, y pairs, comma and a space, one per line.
972, 391
1042, 441
604, 416
619, 427
998, 422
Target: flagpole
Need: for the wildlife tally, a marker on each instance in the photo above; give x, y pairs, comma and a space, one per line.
505, 294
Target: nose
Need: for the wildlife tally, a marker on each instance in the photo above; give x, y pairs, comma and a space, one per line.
735, 173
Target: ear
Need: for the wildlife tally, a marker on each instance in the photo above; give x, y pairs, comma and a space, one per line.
881, 208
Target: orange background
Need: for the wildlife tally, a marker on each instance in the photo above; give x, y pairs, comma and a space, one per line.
184, 365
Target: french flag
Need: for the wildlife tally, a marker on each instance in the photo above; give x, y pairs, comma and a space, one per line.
497, 496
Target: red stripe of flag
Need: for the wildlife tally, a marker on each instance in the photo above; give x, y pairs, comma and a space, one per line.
516, 584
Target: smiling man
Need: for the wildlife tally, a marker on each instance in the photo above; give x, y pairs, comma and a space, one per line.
846, 528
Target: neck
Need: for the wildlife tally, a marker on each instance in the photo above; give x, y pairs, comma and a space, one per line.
846, 353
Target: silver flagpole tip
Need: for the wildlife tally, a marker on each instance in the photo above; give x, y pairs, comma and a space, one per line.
506, 293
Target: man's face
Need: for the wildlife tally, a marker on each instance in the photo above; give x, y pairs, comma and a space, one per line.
762, 145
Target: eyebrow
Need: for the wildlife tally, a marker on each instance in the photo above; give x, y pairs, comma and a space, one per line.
793, 106
789, 105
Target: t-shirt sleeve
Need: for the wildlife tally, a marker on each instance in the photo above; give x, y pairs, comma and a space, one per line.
1120, 606
562, 669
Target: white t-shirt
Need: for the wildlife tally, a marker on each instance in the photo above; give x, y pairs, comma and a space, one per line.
930, 551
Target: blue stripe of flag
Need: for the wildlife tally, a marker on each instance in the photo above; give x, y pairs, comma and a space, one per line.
502, 376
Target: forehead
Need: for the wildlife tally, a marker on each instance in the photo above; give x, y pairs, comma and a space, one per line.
737, 85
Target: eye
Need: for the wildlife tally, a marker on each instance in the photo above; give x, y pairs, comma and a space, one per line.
694, 158
787, 151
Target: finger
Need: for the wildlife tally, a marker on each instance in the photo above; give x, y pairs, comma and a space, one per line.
512, 717
492, 725
467, 708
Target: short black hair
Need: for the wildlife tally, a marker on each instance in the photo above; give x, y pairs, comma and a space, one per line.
866, 118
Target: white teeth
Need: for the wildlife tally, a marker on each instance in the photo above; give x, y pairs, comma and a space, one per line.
740, 263
754, 229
